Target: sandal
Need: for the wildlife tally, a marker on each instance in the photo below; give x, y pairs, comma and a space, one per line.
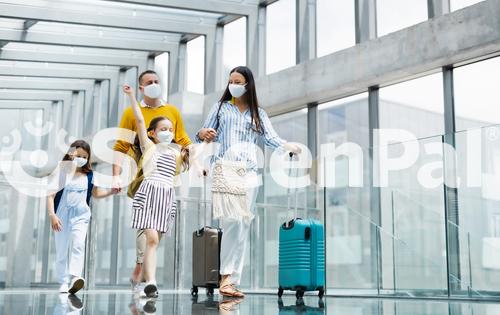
228, 305
230, 290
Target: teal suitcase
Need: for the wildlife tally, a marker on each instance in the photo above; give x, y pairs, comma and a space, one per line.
301, 257
301, 308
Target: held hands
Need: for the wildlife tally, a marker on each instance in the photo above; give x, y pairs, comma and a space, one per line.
293, 148
55, 223
116, 185
207, 134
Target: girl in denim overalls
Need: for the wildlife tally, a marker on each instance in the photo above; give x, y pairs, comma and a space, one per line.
69, 213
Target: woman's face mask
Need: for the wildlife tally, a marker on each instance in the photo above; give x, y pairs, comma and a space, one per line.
237, 90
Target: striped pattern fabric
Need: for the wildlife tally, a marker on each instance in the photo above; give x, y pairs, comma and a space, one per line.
235, 129
154, 205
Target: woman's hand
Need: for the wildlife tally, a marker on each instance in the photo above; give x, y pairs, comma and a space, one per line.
55, 223
127, 89
295, 149
207, 134
116, 185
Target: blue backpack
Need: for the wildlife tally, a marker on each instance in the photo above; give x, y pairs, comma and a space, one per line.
90, 186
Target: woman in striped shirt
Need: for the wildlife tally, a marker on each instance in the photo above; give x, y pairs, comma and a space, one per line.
237, 122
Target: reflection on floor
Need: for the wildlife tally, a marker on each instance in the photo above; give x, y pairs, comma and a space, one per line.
45, 302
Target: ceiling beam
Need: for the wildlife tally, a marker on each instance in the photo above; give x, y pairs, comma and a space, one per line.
73, 40
28, 95
53, 72
64, 15
212, 6
76, 58
34, 83
28, 24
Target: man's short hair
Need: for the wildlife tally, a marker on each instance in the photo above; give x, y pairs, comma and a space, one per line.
146, 72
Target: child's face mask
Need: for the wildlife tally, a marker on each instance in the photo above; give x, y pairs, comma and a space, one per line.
80, 162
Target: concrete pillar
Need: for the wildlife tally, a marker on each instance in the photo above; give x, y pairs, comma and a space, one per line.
366, 20
305, 30
437, 8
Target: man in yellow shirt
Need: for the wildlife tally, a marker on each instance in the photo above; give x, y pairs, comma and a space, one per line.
151, 106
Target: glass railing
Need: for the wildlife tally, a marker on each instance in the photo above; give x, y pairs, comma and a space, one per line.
413, 250
468, 236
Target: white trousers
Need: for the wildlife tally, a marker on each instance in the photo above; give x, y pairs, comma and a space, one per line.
235, 241
75, 224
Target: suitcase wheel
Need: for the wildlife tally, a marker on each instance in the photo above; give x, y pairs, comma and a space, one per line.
299, 294
321, 293
321, 304
280, 292
210, 291
194, 291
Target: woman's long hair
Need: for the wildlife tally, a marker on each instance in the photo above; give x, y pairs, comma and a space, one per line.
250, 97
84, 146
152, 126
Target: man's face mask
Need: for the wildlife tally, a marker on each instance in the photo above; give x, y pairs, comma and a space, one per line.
152, 90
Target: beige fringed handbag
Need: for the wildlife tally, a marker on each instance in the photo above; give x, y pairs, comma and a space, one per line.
229, 195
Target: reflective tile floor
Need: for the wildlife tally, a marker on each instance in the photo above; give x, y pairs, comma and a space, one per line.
20, 302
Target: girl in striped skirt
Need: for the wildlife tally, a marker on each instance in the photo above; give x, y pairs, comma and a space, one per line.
154, 202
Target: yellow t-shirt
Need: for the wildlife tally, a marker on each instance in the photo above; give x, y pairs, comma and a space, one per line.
168, 111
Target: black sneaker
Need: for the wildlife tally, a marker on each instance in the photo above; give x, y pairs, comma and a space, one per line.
151, 291
149, 307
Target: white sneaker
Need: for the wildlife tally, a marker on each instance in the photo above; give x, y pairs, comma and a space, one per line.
139, 287
63, 288
76, 285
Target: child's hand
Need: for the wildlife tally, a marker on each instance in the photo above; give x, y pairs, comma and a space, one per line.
127, 89
55, 223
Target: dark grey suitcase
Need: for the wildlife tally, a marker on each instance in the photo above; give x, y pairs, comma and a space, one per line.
206, 307
206, 256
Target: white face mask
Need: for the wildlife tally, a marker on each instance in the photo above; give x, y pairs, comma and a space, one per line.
80, 162
237, 90
165, 136
152, 90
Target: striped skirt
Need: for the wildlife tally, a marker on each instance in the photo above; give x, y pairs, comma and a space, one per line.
154, 207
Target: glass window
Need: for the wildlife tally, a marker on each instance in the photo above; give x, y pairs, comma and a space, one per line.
161, 67
196, 65
291, 127
412, 215
335, 26
459, 4
413, 224
416, 106
478, 212
349, 258
280, 36
235, 44
393, 15
476, 94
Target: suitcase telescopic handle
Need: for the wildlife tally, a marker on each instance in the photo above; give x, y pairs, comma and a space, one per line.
289, 224
205, 206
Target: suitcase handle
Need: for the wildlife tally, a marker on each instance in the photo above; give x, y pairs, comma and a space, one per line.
205, 206
289, 224
295, 214
200, 232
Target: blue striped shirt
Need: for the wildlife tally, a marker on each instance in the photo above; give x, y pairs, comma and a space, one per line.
235, 129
